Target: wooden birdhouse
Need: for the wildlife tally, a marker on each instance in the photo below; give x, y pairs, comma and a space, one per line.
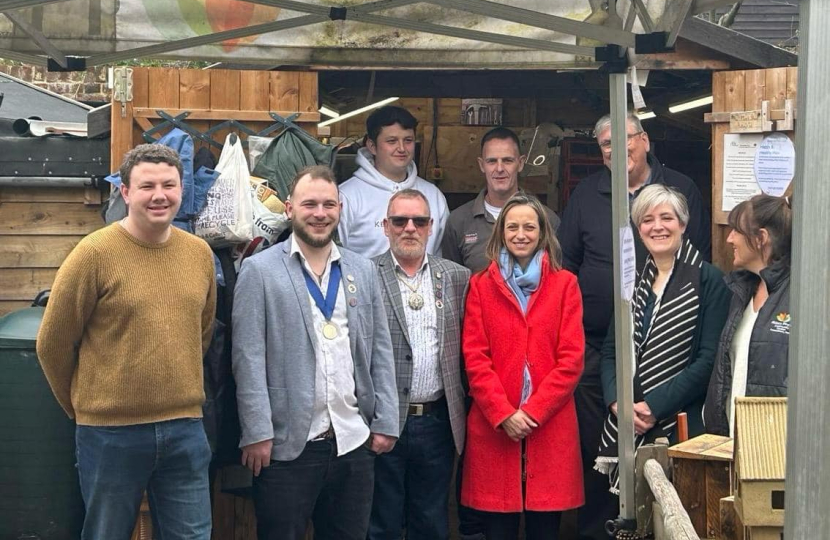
760, 464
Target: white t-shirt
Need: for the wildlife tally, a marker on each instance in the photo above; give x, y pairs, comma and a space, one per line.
739, 351
492, 210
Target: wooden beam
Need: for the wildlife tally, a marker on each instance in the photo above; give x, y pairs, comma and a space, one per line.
225, 114
723, 117
737, 45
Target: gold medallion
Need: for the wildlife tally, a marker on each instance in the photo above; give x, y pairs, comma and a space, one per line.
416, 301
329, 331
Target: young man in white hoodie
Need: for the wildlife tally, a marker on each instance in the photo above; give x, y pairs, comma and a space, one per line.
386, 167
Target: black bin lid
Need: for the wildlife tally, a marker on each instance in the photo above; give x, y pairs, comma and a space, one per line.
18, 329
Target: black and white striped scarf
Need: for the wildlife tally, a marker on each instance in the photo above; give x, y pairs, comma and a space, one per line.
662, 351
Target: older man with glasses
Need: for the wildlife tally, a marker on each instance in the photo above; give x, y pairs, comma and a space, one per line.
586, 236
424, 299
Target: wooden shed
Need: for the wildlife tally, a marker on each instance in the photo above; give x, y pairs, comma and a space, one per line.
760, 464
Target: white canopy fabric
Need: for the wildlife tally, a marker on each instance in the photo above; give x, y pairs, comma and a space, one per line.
414, 34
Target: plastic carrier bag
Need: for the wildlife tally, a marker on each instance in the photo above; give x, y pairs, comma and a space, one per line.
227, 218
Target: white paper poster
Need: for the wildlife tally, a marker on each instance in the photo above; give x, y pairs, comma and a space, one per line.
628, 257
739, 183
775, 164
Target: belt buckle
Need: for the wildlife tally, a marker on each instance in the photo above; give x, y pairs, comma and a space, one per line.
416, 409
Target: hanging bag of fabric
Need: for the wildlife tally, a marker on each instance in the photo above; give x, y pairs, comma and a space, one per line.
227, 218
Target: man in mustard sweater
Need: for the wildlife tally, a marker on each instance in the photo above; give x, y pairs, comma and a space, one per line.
121, 344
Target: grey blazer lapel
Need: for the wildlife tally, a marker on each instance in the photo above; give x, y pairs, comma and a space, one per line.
348, 278
393, 290
295, 272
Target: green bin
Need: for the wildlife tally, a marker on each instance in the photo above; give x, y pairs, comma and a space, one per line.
40, 498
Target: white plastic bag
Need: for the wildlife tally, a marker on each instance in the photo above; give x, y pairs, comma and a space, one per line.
268, 226
227, 218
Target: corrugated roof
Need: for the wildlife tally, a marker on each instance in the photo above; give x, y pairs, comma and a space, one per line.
761, 432
773, 21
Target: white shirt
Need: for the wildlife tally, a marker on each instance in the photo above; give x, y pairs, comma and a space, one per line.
422, 325
739, 351
335, 401
492, 210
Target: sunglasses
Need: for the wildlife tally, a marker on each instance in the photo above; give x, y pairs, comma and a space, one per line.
400, 222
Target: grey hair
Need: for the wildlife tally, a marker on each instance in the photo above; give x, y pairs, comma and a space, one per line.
656, 194
605, 121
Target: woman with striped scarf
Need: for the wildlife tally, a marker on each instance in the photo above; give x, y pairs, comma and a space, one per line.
680, 306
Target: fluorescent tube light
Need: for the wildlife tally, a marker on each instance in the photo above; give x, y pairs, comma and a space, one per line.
690, 104
358, 111
331, 113
646, 115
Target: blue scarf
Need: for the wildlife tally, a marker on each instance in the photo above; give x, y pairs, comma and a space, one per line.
521, 282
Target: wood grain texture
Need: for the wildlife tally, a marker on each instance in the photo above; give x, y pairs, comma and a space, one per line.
718, 486
20, 251
689, 480
24, 218
51, 194
224, 89
253, 88
194, 89
25, 283
163, 88
284, 91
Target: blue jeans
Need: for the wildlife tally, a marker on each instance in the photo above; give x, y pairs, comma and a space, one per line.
167, 459
334, 492
412, 482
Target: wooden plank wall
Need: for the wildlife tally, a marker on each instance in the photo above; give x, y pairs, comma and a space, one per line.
211, 97
740, 91
38, 229
458, 145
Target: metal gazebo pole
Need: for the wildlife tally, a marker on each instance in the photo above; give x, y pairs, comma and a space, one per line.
623, 321
808, 430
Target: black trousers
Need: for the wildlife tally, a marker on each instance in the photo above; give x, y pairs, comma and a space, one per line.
335, 492
600, 504
505, 526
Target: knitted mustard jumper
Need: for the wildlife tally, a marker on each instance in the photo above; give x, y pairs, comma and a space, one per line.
126, 326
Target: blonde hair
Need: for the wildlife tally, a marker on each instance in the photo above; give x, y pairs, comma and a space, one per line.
547, 240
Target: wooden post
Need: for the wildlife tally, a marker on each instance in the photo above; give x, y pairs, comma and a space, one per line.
676, 523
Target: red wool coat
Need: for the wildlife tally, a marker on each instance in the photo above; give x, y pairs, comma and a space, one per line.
496, 340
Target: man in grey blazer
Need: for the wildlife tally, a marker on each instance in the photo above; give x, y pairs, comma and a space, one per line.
424, 298
315, 374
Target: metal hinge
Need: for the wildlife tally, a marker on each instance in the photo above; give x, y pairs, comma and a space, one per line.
122, 87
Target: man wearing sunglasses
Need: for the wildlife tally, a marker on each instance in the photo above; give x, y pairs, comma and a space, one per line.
424, 299
587, 248
386, 167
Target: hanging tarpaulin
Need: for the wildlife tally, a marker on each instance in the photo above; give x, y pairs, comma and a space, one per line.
289, 152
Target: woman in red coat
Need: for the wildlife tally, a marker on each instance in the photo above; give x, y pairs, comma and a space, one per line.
523, 347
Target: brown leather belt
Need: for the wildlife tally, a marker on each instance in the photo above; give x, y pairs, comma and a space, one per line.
420, 409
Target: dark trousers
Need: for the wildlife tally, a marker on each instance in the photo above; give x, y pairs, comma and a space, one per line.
538, 525
412, 482
600, 504
335, 492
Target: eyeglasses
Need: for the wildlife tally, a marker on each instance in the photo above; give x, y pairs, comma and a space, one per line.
400, 222
605, 146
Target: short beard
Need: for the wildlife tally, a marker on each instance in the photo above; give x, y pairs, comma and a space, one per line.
408, 253
303, 235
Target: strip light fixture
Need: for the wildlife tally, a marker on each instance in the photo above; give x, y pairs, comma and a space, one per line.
331, 113
355, 112
646, 115
690, 104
